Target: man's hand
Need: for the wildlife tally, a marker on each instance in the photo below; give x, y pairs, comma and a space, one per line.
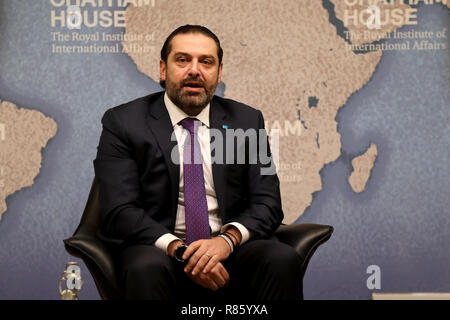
205, 255
215, 279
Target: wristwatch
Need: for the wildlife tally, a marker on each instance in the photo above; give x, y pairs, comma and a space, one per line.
179, 251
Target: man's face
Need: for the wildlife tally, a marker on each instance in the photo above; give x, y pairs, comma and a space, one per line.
192, 71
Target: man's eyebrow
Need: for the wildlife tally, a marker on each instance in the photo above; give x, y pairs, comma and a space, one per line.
208, 56
181, 54
204, 56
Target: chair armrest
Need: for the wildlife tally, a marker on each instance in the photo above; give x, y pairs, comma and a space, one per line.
305, 238
97, 257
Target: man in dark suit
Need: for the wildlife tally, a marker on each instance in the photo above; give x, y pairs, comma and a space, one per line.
186, 192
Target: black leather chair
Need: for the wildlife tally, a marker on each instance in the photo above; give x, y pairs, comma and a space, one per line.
98, 257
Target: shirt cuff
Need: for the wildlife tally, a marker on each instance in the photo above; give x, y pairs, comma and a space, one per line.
245, 233
164, 241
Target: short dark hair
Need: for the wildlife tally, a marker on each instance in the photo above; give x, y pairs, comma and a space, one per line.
188, 28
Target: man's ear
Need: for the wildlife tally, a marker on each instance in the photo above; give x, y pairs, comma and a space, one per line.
162, 70
219, 78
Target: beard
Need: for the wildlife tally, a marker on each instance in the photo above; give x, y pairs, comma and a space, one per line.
191, 102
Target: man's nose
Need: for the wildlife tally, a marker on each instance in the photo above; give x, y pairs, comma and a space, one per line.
194, 71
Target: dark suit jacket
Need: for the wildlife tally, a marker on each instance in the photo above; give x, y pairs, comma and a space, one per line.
138, 182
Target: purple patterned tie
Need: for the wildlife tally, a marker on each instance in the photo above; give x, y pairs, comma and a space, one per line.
197, 221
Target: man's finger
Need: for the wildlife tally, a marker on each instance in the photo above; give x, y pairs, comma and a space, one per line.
191, 249
213, 285
206, 280
194, 259
219, 279
200, 264
224, 274
211, 264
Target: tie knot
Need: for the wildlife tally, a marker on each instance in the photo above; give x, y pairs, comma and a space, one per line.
190, 124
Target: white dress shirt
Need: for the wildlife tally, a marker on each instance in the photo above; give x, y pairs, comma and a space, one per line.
215, 222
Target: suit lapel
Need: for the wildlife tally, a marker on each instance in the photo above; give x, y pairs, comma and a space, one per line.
220, 121
161, 127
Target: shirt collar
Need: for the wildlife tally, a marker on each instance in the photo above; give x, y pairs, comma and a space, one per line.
176, 114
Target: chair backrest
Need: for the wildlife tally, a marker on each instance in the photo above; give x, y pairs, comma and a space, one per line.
90, 220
